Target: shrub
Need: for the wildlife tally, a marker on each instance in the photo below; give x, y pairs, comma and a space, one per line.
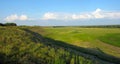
1, 24
10, 24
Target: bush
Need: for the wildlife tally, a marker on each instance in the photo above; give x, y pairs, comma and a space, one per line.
1, 24
10, 24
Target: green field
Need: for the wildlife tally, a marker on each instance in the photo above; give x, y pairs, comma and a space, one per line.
62, 45
107, 39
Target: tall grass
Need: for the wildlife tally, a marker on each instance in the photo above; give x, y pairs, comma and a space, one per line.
19, 47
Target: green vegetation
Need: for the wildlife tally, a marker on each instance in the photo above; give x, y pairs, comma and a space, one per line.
8, 24
21, 46
87, 37
94, 26
47, 45
113, 39
76, 34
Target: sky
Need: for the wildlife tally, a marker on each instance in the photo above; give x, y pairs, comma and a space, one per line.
60, 12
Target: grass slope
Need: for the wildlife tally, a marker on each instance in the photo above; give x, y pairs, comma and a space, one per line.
33, 45
22, 46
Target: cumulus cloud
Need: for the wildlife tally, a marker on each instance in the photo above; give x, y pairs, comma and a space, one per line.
81, 16
97, 14
11, 17
112, 15
16, 17
49, 15
23, 17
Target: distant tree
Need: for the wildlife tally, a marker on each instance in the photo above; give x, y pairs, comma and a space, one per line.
1, 24
10, 24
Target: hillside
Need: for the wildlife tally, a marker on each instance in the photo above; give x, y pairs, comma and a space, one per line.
37, 45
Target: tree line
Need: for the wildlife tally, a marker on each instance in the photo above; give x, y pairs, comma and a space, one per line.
92, 26
8, 24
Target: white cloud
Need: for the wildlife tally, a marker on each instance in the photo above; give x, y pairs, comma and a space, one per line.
11, 18
112, 15
16, 17
65, 16
49, 15
81, 16
23, 17
97, 14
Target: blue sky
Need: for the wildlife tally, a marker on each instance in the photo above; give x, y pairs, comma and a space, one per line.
60, 12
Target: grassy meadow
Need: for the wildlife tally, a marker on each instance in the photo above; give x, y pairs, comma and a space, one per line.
62, 45
106, 39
